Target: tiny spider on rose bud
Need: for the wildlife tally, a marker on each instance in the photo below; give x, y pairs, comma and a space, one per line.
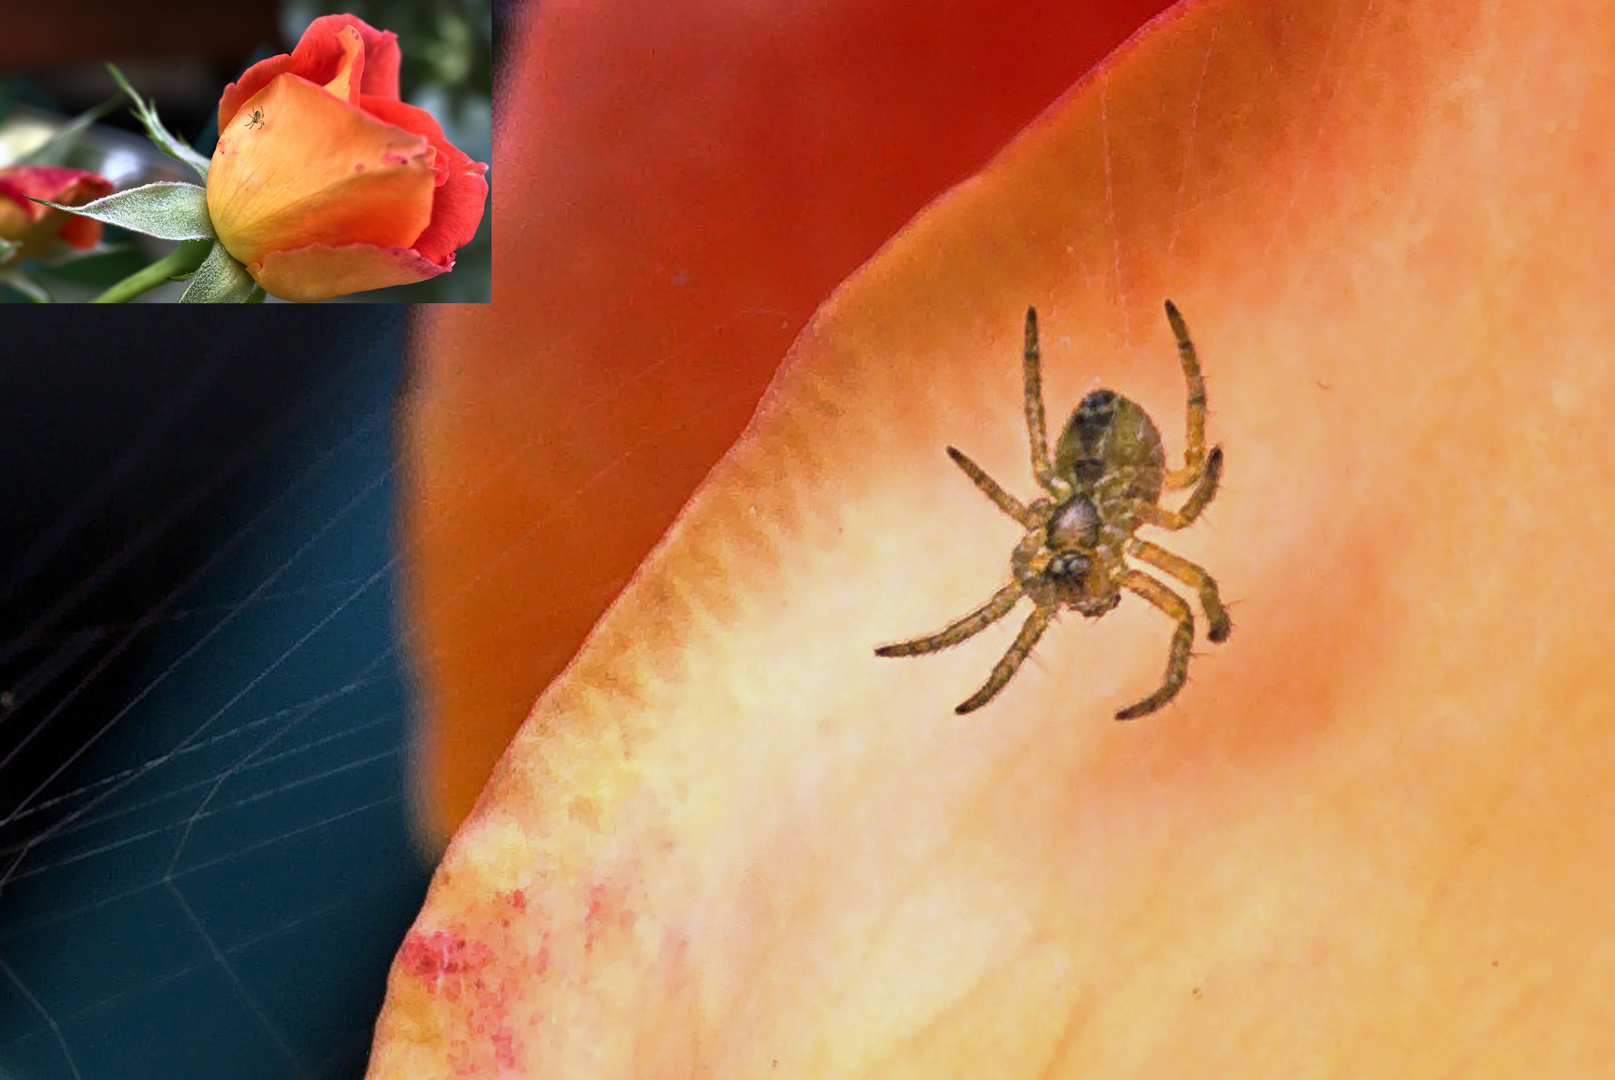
1105, 481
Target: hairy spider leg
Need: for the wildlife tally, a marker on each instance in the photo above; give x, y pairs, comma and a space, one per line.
1203, 493
1032, 629
1192, 576
1177, 664
1194, 452
990, 488
1036, 425
965, 628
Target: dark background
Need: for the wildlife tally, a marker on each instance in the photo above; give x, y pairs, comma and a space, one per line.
205, 858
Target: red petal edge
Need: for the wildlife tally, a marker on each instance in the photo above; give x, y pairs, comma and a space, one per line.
462, 191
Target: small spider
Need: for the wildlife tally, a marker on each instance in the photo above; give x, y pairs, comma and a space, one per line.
1104, 482
257, 118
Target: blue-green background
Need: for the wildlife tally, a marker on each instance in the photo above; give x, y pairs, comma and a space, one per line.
199, 599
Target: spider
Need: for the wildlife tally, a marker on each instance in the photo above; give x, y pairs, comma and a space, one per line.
1104, 482
257, 119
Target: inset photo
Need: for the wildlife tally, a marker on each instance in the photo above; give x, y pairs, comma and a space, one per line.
280, 154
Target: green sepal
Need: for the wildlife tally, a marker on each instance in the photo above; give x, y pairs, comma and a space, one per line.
168, 209
166, 141
7, 247
219, 280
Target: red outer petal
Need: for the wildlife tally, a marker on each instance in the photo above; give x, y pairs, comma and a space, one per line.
81, 232
54, 183
320, 271
317, 58
462, 189
12, 192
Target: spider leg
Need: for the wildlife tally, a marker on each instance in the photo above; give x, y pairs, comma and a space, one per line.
1203, 493
989, 487
967, 627
1194, 452
1036, 425
1192, 576
1031, 630
1177, 664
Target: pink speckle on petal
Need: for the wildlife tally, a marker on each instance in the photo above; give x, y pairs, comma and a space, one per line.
440, 955
395, 159
607, 910
505, 1049
359, 167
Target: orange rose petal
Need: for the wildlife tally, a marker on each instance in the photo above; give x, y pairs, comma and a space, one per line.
462, 191
345, 84
317, 57
318, 171
16, 215
319, 271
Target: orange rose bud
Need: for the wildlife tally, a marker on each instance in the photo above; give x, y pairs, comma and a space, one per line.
324, 183
36, 225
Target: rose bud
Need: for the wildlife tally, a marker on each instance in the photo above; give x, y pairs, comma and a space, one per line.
324, 183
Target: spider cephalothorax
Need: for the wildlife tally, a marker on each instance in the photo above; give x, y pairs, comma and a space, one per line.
1105, 481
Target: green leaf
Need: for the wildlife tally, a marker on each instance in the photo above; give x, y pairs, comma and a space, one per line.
54, 151
7, 247
166, 141
167, 209
219, 280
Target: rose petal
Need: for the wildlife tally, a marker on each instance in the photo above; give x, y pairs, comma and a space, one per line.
81, 232
317, 171
462, 191
54, 183
349, 75
320, 271
16, 215
318, 56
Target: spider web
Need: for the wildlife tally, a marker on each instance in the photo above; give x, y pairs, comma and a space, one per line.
204, 855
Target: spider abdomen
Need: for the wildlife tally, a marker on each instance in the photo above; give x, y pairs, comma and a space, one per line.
1111, 437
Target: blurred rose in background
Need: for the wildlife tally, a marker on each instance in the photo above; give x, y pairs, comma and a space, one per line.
34, 226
